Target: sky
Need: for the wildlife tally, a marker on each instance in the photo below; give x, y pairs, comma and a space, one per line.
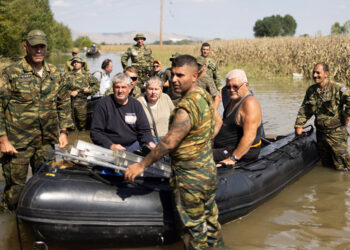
207, 19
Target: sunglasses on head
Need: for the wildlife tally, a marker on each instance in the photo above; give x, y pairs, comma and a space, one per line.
133, 78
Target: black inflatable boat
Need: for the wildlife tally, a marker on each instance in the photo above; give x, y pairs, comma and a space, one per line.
80, 209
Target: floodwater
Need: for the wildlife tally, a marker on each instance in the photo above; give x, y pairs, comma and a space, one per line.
311, 213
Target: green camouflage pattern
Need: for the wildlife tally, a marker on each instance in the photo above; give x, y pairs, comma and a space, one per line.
333, 148
136, 92
15, 170
330, 106
68, 67
174, 96
33, 106
141, 60
194, 179
79, 81
207, 83
212, 71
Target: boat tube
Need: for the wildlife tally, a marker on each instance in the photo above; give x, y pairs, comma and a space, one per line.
83, 207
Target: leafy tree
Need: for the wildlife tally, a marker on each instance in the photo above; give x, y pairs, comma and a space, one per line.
337, 29
83, 41
289, 25
18, 17
275, 25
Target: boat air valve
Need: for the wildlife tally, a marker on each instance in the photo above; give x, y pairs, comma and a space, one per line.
160, 239
39, 245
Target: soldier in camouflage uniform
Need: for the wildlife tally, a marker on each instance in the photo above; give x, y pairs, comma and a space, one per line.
141, 59
330, 103
204, 81
68, 67
211, 67
166, 77
82, 85
193, 125
35, 104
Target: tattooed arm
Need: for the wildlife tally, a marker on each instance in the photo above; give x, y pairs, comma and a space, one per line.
179, 128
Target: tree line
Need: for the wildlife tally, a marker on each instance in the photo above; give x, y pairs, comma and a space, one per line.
18, 17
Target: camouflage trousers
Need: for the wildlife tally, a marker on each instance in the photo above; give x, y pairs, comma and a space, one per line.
332, 146
198, 213
79, 112
15, 170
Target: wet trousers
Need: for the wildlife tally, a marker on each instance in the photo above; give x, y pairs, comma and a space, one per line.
332, 146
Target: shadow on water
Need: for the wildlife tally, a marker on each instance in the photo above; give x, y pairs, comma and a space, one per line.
311, 213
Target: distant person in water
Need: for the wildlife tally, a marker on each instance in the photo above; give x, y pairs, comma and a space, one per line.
68, 66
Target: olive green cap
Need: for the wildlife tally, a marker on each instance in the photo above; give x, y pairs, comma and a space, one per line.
139, 35
77, 59
75, 50
173, 56
36, 37
201, 60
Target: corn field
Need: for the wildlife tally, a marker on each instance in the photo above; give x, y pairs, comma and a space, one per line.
287, 55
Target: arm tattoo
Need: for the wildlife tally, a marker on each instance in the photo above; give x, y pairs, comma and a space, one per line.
180, 127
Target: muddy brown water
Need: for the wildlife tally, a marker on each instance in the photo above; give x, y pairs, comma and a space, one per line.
311, 213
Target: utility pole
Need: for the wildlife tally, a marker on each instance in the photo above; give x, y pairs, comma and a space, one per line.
161, 24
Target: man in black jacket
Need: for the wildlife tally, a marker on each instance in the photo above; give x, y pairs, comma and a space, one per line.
119, 121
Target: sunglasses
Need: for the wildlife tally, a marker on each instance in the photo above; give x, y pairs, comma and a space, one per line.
133, 78
234, 87
156, 66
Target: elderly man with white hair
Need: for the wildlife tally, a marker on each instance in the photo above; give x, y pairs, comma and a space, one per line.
119, 121
239, 138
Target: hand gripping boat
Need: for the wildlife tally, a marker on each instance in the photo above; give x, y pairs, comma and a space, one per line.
92, 206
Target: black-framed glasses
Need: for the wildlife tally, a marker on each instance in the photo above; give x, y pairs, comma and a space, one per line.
234, 87
134, 78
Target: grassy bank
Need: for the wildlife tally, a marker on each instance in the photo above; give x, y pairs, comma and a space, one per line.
269, 57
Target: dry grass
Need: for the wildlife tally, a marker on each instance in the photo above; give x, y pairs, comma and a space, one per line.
286, 55
268, 57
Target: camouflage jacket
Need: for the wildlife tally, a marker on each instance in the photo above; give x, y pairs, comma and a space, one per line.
79, 81
213, 71
205, 82
194, 151
33, 106
141, 58
68, 67
174, 96
330, 105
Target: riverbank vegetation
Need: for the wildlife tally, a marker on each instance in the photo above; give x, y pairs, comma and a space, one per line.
18, 17
268, 57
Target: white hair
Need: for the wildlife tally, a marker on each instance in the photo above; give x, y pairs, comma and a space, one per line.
121, 77
154, 79
238, 74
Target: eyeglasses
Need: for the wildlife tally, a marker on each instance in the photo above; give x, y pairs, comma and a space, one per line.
234, 87
133, 78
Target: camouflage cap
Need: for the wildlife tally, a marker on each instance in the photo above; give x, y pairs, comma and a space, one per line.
201, 60
36, 37
139, 35
75, 50
77, 59
173, 56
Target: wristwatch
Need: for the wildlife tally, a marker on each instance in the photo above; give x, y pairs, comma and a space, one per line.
233, 157
64, 132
